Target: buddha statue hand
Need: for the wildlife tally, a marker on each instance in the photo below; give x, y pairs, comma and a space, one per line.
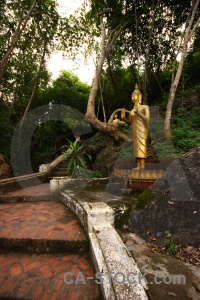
133, 112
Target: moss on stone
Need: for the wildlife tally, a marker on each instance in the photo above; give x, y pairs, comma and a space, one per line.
144, 198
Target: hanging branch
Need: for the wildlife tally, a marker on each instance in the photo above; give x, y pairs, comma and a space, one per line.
102, 101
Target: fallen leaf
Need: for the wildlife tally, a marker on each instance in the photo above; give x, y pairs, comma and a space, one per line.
148, 232
153, 238
172, 294
158, 249
179, 263
168, 235
170, 202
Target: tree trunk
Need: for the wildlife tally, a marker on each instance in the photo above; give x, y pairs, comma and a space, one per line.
20, 27
34, 88
188, 34
108, 128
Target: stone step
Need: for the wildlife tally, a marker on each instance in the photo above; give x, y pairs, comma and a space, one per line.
59, 174
63, 163
40, 227
59, 169
40, 192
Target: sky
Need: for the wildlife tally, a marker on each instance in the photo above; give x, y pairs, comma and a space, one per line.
57, 62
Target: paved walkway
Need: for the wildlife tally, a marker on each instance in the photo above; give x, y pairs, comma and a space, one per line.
40, 241
40, 226
34, 276
32, 193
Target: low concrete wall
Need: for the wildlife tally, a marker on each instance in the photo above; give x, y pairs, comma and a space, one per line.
111, 257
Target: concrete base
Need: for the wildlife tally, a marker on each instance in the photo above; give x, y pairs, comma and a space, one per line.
136, 180
57, 184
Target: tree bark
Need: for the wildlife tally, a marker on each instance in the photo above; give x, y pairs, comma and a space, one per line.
34, 88
188, 34
20, 27
108, 128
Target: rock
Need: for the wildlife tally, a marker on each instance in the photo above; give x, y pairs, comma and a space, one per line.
105, 160
104, 152
176, 203
5, 170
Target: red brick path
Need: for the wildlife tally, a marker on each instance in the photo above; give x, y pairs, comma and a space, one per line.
32, 193
46, 221
41, 227
46, 226
34, 276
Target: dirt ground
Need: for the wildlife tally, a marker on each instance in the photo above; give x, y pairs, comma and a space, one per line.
168, 277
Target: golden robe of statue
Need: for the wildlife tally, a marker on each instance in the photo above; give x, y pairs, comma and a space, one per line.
139, 120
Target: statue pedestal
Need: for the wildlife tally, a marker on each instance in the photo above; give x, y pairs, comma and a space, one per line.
136, 180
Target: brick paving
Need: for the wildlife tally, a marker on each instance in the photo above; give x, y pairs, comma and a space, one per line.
40, 241
41, 276
32, 193
40, 226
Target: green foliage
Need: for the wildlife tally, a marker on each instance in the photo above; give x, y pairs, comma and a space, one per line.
126, 151
86, 173
6, 130
171, 248
96, 143
45, 156
162, 148
95, 174
192, 64
23, 69
75, 158
67, 89
47, 140
185, 130
144, 198
117, 87
117, 82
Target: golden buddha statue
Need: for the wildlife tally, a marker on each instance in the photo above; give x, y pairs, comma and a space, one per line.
139, 120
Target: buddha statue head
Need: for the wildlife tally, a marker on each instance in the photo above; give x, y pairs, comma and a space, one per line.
136, 95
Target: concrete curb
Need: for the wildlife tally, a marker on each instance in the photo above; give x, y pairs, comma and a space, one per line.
112, 261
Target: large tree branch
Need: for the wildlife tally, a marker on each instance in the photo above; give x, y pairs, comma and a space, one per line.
20, 27
113, 37
108, 128
194, 28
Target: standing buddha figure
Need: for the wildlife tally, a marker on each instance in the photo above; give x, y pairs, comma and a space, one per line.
138, 118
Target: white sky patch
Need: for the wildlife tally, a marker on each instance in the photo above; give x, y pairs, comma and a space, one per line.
67, 7
56, 63
85, 72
